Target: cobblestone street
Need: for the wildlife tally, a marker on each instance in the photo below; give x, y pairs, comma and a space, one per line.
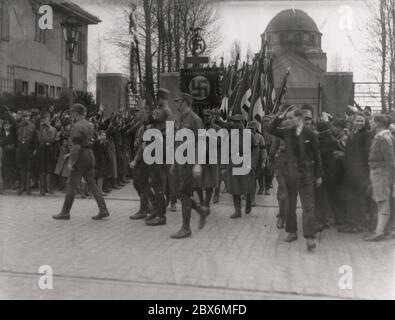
122, 259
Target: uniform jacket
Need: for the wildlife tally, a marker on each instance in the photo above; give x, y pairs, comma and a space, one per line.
81, 136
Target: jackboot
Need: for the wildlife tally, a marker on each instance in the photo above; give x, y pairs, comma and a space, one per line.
185, 231
103, 213
62, 216
22, 182
209, 195
237, 206
49, 183
204, 212
42, 184
141, 214
216, 195
248, 204
28, 190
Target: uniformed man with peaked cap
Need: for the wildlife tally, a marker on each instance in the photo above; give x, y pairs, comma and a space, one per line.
188, 172
81, 164
158, 121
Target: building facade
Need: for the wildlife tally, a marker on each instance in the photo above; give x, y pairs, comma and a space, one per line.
36, 61
295, 42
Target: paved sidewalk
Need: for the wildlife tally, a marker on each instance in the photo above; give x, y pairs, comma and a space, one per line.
119, 258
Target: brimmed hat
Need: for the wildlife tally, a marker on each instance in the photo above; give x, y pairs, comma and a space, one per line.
307, 113
163, 94
185, 97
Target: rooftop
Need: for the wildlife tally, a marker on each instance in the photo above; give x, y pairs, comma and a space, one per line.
292, 19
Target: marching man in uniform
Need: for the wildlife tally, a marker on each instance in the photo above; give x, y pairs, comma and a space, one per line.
188, 172
158, 121
81, 164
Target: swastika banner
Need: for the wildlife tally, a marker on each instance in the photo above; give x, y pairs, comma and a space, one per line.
203, 85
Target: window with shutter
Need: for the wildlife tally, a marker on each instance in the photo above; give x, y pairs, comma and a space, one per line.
83, 46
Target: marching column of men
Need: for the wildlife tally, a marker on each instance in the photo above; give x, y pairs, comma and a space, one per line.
342, 170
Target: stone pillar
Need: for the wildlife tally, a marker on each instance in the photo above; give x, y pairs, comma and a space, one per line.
337, 92
111, 91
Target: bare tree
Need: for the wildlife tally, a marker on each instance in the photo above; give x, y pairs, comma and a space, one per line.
98, 64
235, 51
391, 55
164, 30
381, 31
149, 76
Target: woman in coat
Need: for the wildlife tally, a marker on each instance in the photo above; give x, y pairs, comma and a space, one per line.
239, 185
355, 189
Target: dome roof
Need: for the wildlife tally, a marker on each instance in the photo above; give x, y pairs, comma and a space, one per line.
295, 20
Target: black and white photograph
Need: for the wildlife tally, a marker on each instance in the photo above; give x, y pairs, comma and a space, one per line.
197, 150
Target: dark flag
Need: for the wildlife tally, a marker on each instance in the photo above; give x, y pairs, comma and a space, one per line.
283, 91
242, 102
256, 110
231, 101
268, 88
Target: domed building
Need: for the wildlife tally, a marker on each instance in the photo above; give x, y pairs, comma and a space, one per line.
295, 41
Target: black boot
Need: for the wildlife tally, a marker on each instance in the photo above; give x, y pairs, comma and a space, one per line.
216, 196
22, 182
260, 183
237, 205
49, 184
102, 214
160, 208
203, 212
156, 221
142, 213
62, 216
114, 185
28, 190
209, 194
185, 231
248, 204
42, 184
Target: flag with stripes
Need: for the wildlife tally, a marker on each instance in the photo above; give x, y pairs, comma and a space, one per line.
242, 101
256, 109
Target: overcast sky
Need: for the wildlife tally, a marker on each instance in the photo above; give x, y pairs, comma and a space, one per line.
246, 21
